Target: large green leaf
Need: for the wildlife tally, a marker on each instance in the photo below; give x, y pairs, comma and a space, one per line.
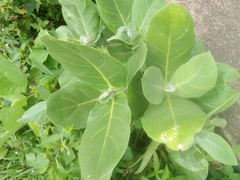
196, 77
221, 96
174, 122
136, 100
12, 80
216, 147
153, 85
170, 39
81, 16
192, 159
218, 99
105, 138
88, 64
143, 11
190, 175
115, 13
71, 105
36, 113
136, 61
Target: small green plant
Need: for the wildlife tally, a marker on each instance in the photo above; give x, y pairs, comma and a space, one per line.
131, 93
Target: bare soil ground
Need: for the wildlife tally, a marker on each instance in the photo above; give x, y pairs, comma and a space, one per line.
217, 22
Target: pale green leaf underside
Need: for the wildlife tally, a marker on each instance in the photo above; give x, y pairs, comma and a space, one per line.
169, 28
196, 77
190, 175
105, 138
174, 122
191, 159
88, 64
216, 147
71, 105
82, 17
115, 13
153, 85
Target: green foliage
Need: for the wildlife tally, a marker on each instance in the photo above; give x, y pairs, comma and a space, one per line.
124, 90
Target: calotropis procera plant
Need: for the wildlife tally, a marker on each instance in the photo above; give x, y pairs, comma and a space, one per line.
128, 61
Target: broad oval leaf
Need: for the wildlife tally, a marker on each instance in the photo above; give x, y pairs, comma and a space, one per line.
143, 11
12, 80
174, 122
216, 147
105, 138
196, 77
153, 85
115, 13
190, 175
169, 28
36, 113
136, 61
218, 99
191, 159
88, 64
221, 96
81, 16
71, 105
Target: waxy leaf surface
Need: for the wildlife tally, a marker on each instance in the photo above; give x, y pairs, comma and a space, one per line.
36, 113
190, 175
90, 65
170, 39
105, 138
192, 159
196, 77
216, 147
153, 85
221, 96
82, 17
174, 122
71, 105
115, 13
143, 11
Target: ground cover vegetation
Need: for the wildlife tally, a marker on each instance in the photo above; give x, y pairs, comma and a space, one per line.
110, 90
